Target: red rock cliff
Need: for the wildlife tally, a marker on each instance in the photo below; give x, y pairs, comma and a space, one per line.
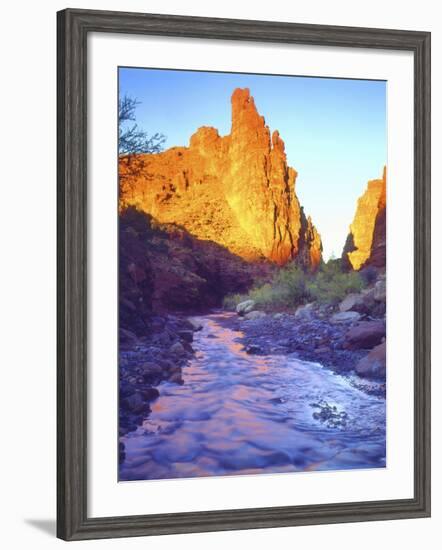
366, 242
235, 190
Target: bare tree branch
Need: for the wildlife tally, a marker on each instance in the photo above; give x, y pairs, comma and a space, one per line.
133, 140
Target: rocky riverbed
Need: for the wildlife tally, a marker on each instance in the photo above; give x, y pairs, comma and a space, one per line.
347, 342
315, 340
145, 362
242, 413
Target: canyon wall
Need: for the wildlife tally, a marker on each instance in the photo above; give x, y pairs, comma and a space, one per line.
366, 241
236, 190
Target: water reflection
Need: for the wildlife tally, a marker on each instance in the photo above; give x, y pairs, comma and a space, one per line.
238, 413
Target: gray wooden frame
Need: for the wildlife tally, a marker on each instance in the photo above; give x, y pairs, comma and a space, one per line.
73, 28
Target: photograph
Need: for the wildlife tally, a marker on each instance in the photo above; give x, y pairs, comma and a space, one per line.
251, 273
217, 279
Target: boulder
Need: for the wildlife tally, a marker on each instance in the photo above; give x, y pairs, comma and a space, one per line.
195, 324
324, 311
186, 335
345, 317
366, 335
150, 394
380, 291
177, 349
368, 293
350, 301
304, 313
167, 364
188, 346
245, 307
373, 365
162, 339
151, 372
176, 378
362, 303
175, 367
135, 403
252, 315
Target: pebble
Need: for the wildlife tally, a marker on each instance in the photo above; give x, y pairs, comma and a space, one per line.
177, 349
253, 349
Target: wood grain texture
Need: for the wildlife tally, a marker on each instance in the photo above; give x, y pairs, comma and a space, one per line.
73, 26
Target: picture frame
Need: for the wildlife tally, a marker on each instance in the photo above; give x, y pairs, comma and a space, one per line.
73, 28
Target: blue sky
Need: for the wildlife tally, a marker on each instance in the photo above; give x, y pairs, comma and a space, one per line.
334, 129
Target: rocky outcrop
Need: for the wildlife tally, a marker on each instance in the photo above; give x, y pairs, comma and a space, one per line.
371, 301
373, 365
366, 242
366, 335
236, 190
310, 244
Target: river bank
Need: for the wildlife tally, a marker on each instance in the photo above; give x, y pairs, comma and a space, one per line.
144, 362
312, 339
163, 354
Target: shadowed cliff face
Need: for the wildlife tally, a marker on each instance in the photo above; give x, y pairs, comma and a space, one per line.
163, 268
366, 241
235, 190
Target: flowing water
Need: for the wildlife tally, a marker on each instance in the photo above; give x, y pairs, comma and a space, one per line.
238, 413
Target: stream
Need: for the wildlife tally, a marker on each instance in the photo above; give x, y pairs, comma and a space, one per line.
246, 414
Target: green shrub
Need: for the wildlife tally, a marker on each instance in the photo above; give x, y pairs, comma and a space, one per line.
287, 289
268, 297
294, 282
331, 285
291, 287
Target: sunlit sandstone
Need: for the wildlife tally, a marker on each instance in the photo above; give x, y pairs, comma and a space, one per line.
366, 241
236, 190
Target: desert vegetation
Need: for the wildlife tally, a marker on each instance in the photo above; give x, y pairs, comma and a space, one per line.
293, 286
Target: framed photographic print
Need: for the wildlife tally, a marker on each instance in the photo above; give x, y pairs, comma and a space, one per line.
243, 274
